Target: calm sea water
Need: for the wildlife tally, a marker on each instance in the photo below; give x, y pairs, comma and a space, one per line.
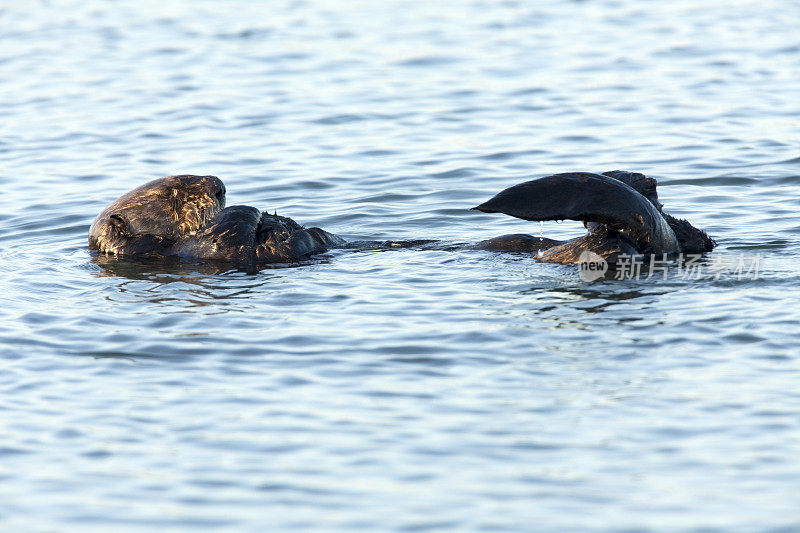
408, 390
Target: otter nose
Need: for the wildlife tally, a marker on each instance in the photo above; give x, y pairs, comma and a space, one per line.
216, 187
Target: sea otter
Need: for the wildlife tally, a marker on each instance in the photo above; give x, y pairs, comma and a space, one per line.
620, 209
185, 216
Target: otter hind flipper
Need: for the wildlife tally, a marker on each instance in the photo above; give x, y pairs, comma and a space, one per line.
588, 197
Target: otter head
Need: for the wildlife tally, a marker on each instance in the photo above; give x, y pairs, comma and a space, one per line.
156, 215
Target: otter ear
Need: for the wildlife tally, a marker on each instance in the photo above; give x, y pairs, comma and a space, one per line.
118, 224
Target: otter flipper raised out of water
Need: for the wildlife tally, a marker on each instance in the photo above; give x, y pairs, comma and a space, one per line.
185, 217
620, 209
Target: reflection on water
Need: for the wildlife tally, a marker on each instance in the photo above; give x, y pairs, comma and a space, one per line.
418, 389
169, 269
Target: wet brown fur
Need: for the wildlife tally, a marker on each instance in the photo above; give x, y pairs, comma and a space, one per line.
184, 216
156, 215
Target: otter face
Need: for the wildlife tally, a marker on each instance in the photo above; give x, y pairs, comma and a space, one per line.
156, 215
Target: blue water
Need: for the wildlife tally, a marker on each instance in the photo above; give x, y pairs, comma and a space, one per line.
405, 390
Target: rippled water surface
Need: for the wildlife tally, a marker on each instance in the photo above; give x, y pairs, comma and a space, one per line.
403, 390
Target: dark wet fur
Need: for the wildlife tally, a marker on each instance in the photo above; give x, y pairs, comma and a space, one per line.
241, 234
622, 218
183, 216
691, 239
517, 242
